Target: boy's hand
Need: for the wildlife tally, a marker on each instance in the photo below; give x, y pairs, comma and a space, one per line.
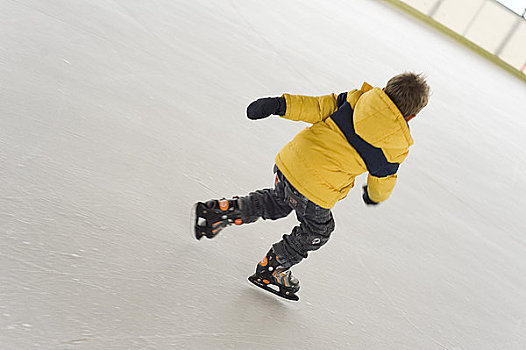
264, 107
366, 198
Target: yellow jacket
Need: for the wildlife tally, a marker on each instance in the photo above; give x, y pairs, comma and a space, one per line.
352, 133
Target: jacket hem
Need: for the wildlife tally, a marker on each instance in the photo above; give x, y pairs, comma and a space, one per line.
298, 186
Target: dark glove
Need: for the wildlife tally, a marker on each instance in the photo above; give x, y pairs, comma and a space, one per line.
366, 198
264, 107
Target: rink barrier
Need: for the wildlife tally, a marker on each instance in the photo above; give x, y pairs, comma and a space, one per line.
458, 37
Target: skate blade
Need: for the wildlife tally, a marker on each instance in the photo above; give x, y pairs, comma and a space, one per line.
291, 296
194, 229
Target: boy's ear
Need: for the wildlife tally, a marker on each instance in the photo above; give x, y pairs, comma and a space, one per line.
409, 117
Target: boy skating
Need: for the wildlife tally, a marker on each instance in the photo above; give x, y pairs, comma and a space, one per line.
363, 130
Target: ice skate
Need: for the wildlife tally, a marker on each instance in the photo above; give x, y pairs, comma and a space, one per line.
273, 277
211, 217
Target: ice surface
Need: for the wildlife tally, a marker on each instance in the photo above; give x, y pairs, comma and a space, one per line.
116, 116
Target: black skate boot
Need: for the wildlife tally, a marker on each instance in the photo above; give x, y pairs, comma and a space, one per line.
273, 277
213, 216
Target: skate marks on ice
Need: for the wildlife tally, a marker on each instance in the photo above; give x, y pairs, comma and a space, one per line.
234, 312
272, 48
403, 313
201, 183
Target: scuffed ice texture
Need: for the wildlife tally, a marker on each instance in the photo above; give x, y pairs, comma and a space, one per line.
116, 116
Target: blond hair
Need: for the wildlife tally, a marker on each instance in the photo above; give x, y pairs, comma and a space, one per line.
409, 92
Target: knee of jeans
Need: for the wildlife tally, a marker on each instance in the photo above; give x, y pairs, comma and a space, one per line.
310, 240
320, 234
319, 240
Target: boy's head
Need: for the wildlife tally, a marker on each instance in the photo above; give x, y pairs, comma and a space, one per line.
409, 92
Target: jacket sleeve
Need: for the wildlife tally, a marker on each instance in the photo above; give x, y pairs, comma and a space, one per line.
380, 188
310, 109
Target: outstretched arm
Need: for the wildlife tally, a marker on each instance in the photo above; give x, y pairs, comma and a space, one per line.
296, 107
310, 109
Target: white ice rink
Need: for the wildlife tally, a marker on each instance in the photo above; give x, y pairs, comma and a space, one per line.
116, 116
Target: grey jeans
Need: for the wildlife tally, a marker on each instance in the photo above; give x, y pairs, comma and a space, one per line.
315, 223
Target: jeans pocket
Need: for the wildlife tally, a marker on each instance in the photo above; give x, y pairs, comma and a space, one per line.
296, 200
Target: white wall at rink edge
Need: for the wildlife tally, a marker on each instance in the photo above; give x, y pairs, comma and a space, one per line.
487, 23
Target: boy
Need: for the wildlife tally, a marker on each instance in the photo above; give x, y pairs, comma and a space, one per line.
351, 133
